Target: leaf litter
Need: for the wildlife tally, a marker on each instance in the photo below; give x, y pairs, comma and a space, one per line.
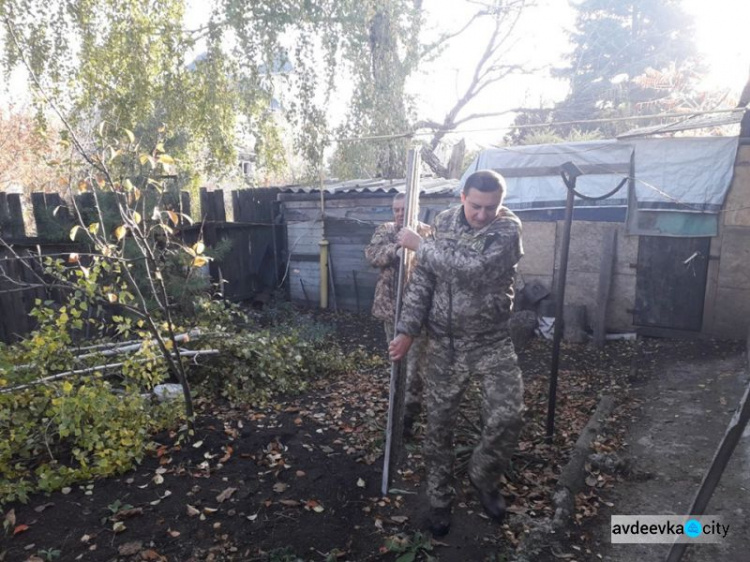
325, 448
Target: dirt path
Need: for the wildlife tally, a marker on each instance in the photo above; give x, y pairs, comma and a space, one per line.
686, 405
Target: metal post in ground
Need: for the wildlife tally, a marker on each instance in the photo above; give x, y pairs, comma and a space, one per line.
397, 392
569, 174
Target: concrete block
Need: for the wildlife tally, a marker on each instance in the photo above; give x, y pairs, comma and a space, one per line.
581, 290
586, 247
731, 313
734, 266
739, 192
539, 248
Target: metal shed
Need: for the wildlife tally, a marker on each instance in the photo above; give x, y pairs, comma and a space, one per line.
346, 216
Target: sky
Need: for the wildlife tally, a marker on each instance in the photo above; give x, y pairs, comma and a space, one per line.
721, 37
543, 42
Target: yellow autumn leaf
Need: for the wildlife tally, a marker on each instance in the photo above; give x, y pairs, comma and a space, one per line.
73, 232
199, 247
67, 387
199, 261
94, 227
165, 159
120, 232
173, 217
111, 297
136, 217
128, 185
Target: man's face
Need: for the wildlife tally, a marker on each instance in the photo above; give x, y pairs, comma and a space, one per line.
481, 207
398, 212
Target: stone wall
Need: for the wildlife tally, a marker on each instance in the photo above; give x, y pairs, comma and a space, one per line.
542, 246
727, 306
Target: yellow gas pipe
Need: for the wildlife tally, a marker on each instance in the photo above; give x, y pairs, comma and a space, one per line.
323, 247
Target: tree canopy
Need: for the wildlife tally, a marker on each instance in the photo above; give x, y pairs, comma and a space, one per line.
617, 45
135, 64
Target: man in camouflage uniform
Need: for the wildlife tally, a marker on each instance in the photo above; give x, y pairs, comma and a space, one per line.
384, 252
462, 290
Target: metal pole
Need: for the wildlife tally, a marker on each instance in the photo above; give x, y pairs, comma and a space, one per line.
721, 458
397, 390
323, 245
570, 183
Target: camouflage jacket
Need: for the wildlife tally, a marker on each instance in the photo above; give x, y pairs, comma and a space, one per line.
462, 286
381, 252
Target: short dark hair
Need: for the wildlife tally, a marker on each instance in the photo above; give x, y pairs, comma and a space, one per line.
485, 180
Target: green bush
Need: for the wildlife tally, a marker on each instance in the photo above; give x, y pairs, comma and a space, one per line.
252, 367
76, 428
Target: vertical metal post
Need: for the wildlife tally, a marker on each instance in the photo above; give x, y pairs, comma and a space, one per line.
324, 273
570, 183
397, 391
323, 245
723, 454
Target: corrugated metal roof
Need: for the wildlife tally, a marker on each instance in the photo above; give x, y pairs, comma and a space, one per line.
429, 186
689, 123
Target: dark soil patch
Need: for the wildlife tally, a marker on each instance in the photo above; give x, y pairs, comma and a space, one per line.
306, 473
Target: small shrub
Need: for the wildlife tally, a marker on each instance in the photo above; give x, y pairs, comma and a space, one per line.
252, 367
58, 432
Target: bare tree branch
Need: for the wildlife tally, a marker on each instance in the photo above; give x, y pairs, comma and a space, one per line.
473, 116
488, 70
91, 370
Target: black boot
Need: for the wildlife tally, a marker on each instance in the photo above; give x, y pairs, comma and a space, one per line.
440, 521
492, 502
410, 419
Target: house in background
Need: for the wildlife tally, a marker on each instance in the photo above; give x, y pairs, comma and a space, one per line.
351, 211
680, 266
682, 222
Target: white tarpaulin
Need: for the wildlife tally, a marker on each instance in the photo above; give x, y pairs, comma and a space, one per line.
670, 174
533, 172
688, 174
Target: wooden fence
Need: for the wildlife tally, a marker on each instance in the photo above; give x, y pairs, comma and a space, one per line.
252, 262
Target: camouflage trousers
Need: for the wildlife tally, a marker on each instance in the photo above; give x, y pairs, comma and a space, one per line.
414, 367
448, 373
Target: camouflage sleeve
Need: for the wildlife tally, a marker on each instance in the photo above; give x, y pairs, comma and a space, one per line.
465, 262
381, 251
416, 302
